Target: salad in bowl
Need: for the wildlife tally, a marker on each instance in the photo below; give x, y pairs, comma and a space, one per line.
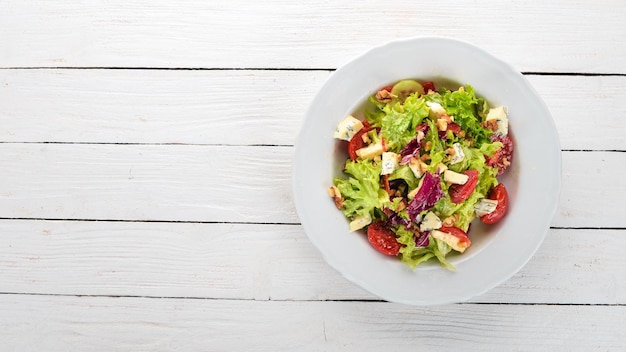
422, 165
426, 174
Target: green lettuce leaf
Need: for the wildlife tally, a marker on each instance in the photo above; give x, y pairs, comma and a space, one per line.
405, 173
361, 191
464, 105
374, 111
398, 126
414, 256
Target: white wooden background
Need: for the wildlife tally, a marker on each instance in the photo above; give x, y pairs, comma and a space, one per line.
145, 170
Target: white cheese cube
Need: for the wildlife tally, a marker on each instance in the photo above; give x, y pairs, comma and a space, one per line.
414, 165
371, 151
348, 128
390, 162
485, 206
420, 136
451, 240
442, 125
458, 154
360, 222
436, 109
500, 116
455, 177
430, 222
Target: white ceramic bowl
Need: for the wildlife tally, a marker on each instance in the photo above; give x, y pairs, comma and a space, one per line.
533, 181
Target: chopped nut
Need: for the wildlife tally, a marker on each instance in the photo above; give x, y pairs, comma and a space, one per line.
428, 145
425, 157
506, 162
334, 193
451, 220
461, 89
461, 134
450, 152
384, 96
491, 125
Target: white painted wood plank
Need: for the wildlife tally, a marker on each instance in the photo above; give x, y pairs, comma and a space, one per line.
147, 182
232, 184
241, 107
264, 262
283, 33
125, 324
139, 106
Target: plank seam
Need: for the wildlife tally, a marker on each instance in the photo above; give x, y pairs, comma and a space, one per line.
294, 300
326, 69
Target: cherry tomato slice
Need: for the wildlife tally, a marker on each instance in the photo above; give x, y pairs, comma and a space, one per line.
383, 239
429, 85
455, 128
500, 194
459, 193
356, 142
462, 242
503, 157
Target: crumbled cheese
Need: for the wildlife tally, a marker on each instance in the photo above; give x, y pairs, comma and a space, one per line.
347, 128
360, 222
390, 162
499, 115
414, 165
455, 177
458, 155
485, 206
371, 151
430, 222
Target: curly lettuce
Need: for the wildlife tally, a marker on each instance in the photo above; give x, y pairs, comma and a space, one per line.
361, 190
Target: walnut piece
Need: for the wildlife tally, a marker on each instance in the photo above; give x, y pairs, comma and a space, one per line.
334, 193
384, 96
491, 125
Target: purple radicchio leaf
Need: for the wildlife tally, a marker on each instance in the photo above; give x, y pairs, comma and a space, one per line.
413, 147
428, 194
396, 220
443, 134
423, 240
423, 127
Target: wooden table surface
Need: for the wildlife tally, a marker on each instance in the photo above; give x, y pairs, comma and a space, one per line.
145, 177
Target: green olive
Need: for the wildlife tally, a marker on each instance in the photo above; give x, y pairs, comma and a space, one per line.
406, 87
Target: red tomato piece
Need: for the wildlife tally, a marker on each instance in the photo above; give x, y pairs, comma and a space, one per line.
387, 88
500, 194
429, 85
459, 193
383, 239
503, 157
356, 142
455, 128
